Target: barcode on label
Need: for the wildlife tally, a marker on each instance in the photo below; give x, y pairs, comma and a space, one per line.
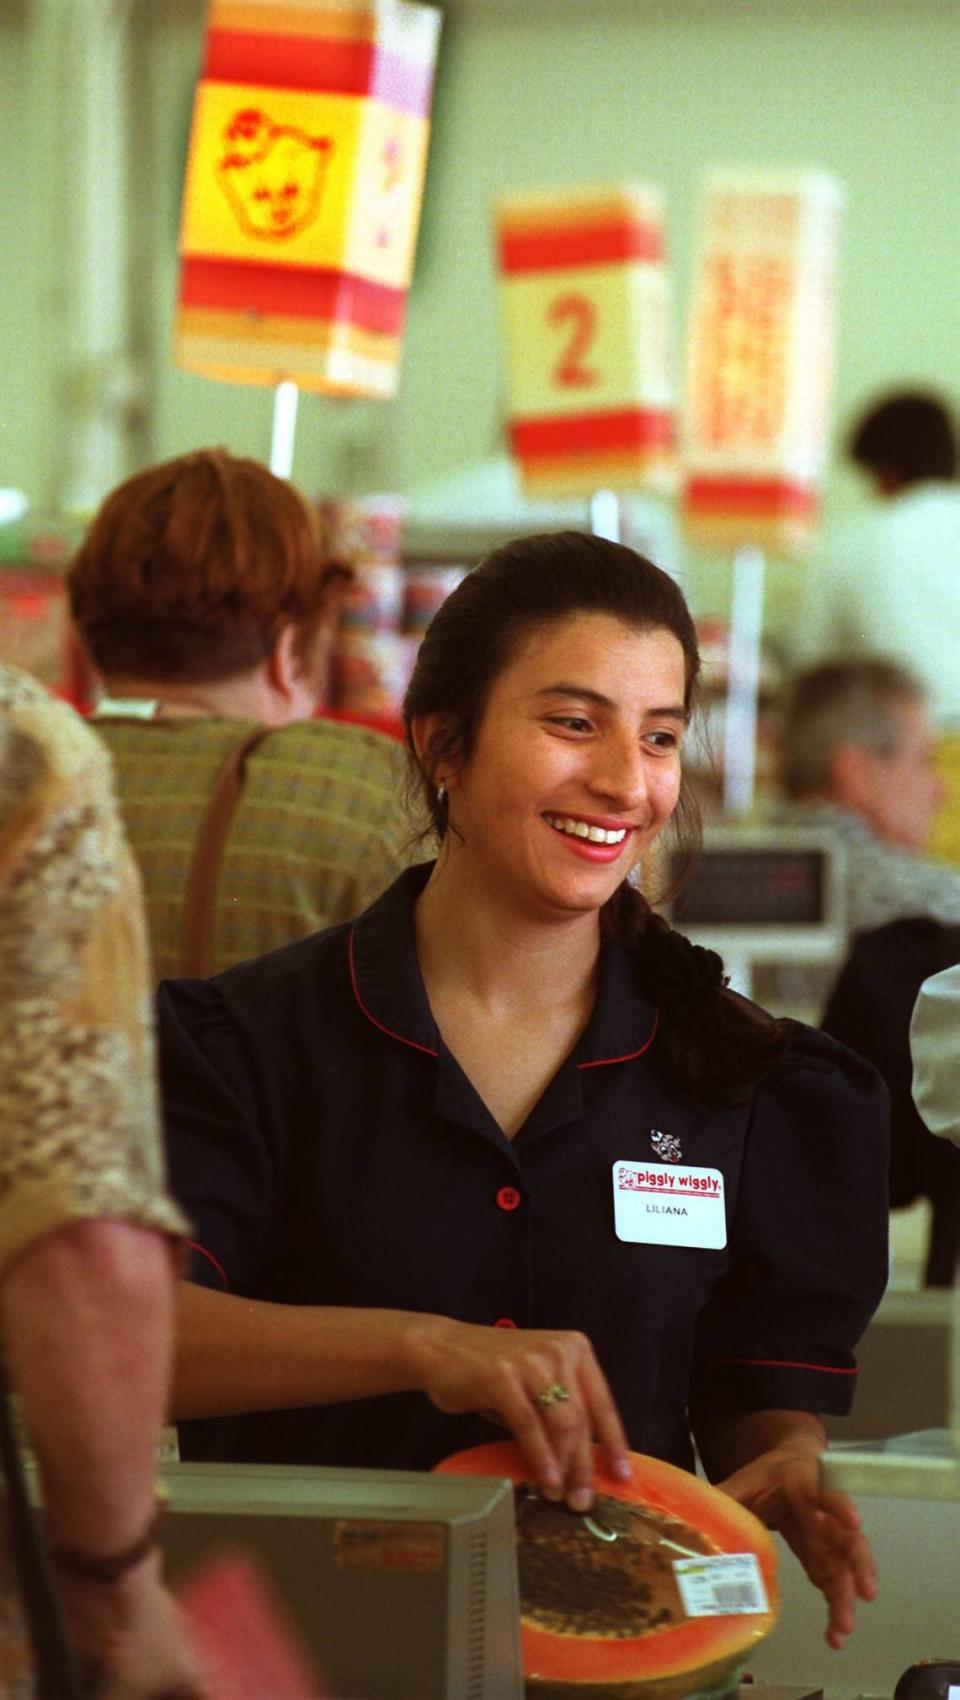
721, 1586
733, 1596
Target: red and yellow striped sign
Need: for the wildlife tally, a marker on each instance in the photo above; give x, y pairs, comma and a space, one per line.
303, 190
759, 367
585, 297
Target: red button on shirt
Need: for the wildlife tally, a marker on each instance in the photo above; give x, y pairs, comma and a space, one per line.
504, 1322
508, 1198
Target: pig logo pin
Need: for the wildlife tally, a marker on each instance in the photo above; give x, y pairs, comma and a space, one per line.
666, 1145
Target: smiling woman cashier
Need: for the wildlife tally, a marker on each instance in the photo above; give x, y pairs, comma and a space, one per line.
505, 1147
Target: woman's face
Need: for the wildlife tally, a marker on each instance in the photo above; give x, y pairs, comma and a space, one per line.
576, 766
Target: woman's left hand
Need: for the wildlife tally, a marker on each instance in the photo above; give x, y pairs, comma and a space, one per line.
782, 1488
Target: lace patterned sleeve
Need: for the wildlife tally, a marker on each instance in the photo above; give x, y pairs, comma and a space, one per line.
78, 1114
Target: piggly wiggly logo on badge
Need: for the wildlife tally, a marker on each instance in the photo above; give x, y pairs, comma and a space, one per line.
666, 1145
272, 174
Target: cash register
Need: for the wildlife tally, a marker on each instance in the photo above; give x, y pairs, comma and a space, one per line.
401, 1585
761, 895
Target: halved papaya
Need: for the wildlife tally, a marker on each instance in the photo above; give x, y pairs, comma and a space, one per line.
602, 1613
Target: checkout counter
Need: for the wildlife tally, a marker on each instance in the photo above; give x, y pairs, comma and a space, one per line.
764, 897
768, 899
405, 1586
398, 1585
405, 1589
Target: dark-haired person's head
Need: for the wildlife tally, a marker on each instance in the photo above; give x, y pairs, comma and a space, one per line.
486, 669
202, 570
531, 585
908, 437
857, 733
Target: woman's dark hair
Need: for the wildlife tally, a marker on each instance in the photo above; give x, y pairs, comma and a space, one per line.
712, 1043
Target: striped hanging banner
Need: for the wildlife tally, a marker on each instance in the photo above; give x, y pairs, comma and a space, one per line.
759, 369
585, 295
303, 190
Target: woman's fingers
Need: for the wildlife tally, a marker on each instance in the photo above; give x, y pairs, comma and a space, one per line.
841, 1508
578, 1476
525, 1416
564, 1414
605, 1421
841, 1609
567, 1425
545, 1410
823, 1529
544, 1385
825, 1534
590, 1415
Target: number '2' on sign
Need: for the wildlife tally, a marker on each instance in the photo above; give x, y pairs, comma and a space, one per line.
576, 316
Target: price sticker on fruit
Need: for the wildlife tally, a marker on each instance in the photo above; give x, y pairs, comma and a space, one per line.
724, 1585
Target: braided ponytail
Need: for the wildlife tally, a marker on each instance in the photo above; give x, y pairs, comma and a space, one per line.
713, 1043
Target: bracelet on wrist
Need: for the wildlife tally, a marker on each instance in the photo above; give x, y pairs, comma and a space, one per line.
108, 1567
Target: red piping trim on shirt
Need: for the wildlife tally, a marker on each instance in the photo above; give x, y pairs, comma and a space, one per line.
196, 1246
599, 1062
786, 1363
372, 1018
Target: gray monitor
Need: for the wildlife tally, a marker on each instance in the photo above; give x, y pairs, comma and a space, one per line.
765, 895
402, 1584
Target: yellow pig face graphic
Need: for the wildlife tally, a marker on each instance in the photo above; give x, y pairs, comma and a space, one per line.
272, 174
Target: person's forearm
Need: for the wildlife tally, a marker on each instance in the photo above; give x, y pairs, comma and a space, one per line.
235, 1354
239, 1355
88, 1314
726, 1442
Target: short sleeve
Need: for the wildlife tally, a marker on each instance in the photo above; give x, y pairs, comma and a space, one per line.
935, 1049
808, 1238
79, 1130
222, 1166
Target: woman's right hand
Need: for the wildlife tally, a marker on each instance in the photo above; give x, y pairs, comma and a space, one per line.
504, 1373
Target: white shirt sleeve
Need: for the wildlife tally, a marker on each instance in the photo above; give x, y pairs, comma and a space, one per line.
935, 1047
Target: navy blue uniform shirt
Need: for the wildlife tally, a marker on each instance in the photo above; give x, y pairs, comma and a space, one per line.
330, 1151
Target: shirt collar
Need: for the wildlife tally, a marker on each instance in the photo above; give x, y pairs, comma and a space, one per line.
385, 970
623, 1024
389, 989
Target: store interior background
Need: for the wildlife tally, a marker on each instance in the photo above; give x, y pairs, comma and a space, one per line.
95, 108
95, 102
95, 105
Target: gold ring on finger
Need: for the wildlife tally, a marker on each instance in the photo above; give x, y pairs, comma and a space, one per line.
555, 1394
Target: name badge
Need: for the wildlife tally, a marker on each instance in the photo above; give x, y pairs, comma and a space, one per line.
669, 1204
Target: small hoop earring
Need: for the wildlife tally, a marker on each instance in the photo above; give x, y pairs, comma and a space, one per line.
441, 794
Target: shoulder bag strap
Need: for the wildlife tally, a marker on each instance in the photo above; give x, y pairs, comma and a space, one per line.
204, 872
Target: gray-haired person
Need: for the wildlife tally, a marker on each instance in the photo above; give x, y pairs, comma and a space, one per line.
857, 757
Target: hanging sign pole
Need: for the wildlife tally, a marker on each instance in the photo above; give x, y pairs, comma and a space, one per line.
285, 401
740, 719
605, 515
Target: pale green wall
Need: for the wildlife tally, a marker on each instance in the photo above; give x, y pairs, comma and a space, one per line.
553, 93
31, 282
